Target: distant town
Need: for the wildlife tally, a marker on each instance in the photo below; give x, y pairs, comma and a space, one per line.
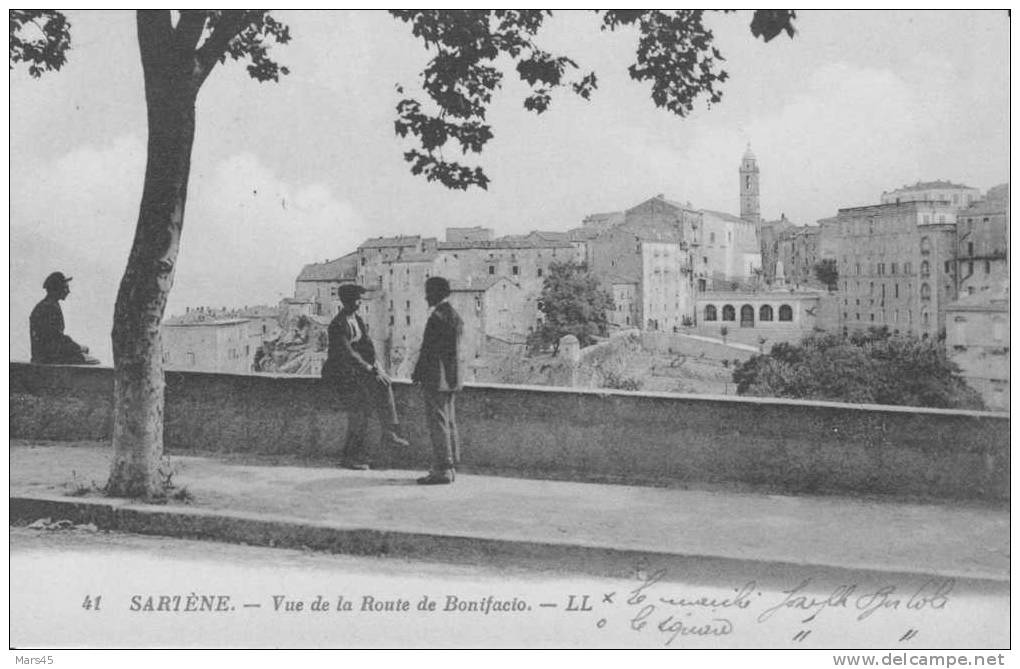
695, 290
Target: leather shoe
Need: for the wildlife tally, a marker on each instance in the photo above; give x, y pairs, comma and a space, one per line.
437, 478
359, 466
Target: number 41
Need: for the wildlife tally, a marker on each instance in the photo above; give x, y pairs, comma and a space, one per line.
91, 604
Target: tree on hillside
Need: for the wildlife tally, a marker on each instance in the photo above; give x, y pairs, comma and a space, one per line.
872, 367
179, 50
572, 302
827, 273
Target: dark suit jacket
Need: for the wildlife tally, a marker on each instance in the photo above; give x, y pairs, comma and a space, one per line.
347, 360
438, 362
49, 343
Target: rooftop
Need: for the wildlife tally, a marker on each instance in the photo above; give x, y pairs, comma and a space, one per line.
929, 185
506, 243
202, 320
344, 267
724, 216
390, 242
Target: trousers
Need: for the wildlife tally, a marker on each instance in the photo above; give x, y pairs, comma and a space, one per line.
441, 416
367, 396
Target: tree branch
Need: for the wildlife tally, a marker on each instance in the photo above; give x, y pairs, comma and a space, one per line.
227, 28
189, 30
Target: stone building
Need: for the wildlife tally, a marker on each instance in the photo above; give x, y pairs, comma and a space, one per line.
397, 311
982, 232
896, 266
210, 343
977, 339
956, 195
726, 251
648, 266
319, 283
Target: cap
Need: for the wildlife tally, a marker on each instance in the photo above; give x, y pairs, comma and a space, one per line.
350, 290
437, 284
55, 280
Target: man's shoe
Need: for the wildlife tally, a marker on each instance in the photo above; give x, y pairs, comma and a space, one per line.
397, 440
359, 466
437, 478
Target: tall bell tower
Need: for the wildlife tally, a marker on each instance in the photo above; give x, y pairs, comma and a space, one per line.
749, 210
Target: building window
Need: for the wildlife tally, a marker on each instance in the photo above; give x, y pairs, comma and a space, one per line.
925, 318
925, 291
710, 314
391, 320
908, 267
492, 269
970, 248
539, 271
729, 313
858, 269
408, 320
516, 270
896, 290
925, 268
765, 313
786, 312
892, 268
925, 246
988, 267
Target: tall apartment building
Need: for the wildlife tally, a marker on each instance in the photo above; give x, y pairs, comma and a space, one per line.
896, 265
977, 339
500, 280
982, 231
646, 262
957, 195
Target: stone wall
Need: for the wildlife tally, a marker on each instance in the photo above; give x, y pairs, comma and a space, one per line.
625, 437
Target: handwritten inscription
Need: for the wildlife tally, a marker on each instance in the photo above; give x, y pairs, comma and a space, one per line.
662, 611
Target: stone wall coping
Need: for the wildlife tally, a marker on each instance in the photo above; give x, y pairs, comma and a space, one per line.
603, 392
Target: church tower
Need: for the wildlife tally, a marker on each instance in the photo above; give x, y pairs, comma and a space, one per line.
749, 210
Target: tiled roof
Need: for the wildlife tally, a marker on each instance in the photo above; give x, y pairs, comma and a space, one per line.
505, 243
389, 242
345, 267
724, 216
927, 185
202, 319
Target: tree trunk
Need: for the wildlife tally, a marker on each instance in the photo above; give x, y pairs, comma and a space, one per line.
137, 349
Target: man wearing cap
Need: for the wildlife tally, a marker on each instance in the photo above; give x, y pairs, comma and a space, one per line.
352, 368
438, 373
50, 346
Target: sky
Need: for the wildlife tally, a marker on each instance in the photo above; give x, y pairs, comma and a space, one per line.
303, 170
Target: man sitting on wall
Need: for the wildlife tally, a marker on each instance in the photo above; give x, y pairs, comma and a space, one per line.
50, 346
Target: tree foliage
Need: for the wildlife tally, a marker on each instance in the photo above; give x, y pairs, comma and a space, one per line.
572, 302
675, 52
40, 38
872, 367
827, 273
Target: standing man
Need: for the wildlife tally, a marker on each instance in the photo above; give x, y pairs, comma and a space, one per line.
50, 346
352, 369
438, 373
